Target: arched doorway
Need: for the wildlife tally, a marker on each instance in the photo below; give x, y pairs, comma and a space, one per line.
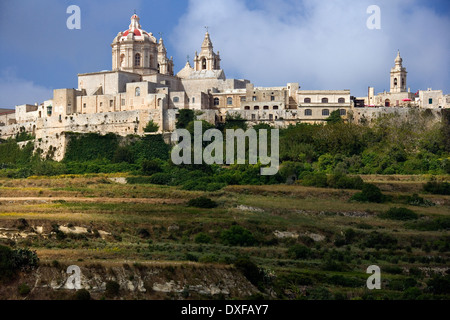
387, 103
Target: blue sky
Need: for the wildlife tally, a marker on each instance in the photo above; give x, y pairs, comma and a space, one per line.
320, 44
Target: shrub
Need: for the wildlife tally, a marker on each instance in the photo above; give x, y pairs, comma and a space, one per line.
24, 289
83, 295
402, 214
415, 200
315, 180
441, 223
202, 202
237, 236
369, 193
299, 251
250, 270
202, 238
12, 261
112, 289
161, 178
150, 167
342, 181
437, 187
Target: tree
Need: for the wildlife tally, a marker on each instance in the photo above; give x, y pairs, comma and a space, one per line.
335, 117
185, 116
151, 127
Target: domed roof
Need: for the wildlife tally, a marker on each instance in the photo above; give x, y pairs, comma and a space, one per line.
137, 33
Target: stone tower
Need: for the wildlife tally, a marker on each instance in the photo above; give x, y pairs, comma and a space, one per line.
165, 66
207, 59
398, 76
135, 50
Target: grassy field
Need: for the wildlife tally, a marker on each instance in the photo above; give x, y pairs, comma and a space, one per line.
309, 243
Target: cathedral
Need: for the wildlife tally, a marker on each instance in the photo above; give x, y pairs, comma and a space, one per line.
143, 86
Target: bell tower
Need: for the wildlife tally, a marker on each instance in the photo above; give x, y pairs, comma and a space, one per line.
207, 59
398, 76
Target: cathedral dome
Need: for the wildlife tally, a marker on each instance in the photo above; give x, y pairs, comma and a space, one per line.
135, 32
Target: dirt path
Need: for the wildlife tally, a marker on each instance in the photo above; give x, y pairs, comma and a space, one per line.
98, 199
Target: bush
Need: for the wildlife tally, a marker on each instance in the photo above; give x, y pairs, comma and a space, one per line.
150, 167
161, 178
369, 193
112, 289
202, 202
401, 214
315, 180
24, 289
144, 233
202, 238
415, 200
82, 295
237, 236
12, 261
250, 270
441, 223
299, 251
342, 181
437, 187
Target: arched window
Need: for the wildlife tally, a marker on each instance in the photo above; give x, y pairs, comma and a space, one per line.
325, 112
307, 100
403, 82
176, 99
216, 101
341, 100
256, 108
324, 100
308, 112
395, 81
387, 103
343, 112
266, 107
229, 101
193, 99
137, 60
203, 64
122, 59
137, 92
246, 108
275, 107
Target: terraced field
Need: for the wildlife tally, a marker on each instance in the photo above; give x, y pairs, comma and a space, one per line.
307, 243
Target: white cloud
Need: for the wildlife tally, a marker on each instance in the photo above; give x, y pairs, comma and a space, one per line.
320, 44
15, 91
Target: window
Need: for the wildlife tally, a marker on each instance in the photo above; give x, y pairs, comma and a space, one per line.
111, 103
430, 101
60, 118
325, 112
176, 99
275, 107
229, 101
324, 100
84, 105
387, 103
137, 60
123, 102
266, 107
49, 111
307, 100
101, 104
204, 64
216, 101
256, 108
246, 108
272, 98
253, 117
243, 99
343, 112
137, 92
395, 81
341, 100
254, 98
271, 117
193, 99
403, 82
308, 112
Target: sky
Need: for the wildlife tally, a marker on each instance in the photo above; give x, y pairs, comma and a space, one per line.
321, 44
